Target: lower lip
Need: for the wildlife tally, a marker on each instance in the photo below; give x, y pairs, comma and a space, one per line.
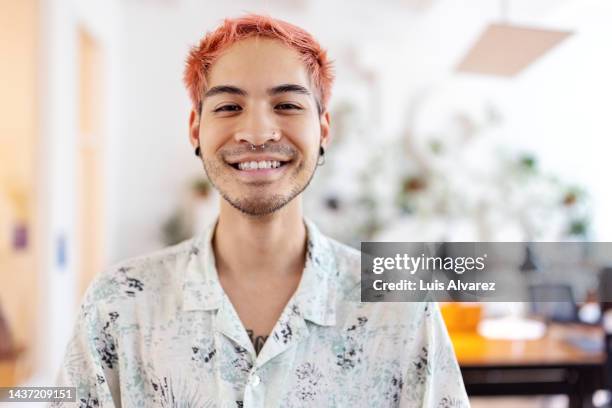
261, 174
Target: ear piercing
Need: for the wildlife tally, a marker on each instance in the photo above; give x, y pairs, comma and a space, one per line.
321, 160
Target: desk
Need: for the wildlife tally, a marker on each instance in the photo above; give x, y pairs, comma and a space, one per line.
549, 365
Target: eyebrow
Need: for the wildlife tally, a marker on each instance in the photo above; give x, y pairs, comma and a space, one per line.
233, 90
286, 88
221, 89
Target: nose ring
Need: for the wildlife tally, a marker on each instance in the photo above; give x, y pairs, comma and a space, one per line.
263, 146
253, 147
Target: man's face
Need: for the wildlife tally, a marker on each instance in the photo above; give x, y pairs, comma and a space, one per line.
259, 93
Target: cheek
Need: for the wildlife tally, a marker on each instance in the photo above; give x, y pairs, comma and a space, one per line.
213, 137
304, 133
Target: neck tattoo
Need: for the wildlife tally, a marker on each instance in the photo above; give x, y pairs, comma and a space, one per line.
258, 341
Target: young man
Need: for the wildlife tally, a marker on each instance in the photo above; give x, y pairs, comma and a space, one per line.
260, 310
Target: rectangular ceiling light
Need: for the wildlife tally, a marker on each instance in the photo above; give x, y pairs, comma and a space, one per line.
507, 49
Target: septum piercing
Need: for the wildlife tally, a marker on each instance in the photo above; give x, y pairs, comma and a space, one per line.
263, 146
253, 147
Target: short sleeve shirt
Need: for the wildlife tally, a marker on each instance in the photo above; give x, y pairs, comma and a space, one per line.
159, 331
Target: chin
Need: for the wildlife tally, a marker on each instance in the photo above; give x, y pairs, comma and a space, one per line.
259, 206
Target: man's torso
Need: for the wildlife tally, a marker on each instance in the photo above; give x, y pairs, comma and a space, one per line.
166, 332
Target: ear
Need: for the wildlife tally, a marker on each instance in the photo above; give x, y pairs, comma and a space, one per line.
194, 128
324, 121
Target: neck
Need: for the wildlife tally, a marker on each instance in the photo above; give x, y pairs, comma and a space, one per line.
272, 245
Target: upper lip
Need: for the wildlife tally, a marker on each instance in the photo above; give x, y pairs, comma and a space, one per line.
257, 158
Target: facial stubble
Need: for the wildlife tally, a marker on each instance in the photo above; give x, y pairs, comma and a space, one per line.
257, 203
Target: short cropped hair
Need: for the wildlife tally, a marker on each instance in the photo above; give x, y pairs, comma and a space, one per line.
202, 56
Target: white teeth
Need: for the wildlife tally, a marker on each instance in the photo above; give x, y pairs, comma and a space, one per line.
253, 165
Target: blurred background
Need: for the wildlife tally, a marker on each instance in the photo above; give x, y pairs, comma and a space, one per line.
452, 120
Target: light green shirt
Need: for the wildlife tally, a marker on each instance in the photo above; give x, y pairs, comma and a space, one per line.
159, 331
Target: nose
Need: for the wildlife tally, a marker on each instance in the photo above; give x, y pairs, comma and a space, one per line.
258, 128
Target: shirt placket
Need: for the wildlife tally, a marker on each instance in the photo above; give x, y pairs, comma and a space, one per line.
229, 325
290, 329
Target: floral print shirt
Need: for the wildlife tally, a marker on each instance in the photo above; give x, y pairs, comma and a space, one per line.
159, 331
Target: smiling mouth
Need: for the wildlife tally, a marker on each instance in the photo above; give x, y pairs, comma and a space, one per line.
259, 165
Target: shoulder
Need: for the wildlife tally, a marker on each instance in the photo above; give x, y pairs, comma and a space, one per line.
145, 276
347, 261
409, 315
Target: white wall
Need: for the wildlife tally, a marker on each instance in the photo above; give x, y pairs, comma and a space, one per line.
60, 20
57, 168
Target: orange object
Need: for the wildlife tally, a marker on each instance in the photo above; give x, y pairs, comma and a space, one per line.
461, 317
14, 367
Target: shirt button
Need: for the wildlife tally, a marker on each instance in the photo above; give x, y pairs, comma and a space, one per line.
255, 380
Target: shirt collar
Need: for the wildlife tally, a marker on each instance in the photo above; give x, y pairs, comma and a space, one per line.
315, 296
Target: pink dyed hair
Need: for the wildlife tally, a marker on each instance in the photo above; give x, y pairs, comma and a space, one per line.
202, 56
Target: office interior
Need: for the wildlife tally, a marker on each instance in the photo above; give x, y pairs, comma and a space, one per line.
478, 120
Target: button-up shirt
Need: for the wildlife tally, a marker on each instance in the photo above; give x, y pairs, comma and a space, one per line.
159, 331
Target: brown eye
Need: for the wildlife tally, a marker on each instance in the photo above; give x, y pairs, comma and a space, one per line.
287, 106
228, 108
